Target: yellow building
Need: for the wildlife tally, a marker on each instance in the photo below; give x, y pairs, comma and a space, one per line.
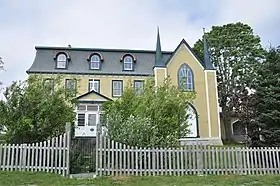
102, 75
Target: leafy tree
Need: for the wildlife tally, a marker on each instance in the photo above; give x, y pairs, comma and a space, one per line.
244, 110
153, 117
236, 53
267, 104
36, 109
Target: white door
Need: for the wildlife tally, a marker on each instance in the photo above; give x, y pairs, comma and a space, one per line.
86, 124
192, 122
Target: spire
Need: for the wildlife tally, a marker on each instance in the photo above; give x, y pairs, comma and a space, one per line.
158, 61
207, 59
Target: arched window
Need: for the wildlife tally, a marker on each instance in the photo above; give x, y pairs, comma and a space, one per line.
61, 61
185, 78
128, 63
191, 122
95, 62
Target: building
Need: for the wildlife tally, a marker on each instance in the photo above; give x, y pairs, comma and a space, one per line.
103, 74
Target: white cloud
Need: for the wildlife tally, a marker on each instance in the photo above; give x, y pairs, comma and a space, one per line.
120, 24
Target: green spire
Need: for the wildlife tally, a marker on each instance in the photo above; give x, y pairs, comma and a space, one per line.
207, 58
158, 62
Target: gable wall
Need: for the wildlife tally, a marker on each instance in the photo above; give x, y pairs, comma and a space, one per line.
184, 56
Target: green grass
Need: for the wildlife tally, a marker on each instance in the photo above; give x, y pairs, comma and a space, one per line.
45, 179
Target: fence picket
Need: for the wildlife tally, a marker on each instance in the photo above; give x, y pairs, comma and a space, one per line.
52, 156
108, 157
277, 161
132, 161
153, 162
4, 157
141, 161
48, 155
12, 157
270, 162
32, 157
136, 160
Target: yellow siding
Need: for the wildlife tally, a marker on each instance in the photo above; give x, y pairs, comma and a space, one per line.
213, 104
105, 82
160, 75
182, 56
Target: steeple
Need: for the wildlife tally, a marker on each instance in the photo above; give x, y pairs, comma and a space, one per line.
158, 62
207, 60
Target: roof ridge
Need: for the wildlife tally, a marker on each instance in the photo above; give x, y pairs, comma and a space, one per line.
98, 49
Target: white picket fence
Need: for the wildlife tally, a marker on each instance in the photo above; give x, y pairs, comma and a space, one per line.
113, 158
50, 156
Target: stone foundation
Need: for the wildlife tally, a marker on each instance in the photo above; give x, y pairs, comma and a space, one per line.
201, 141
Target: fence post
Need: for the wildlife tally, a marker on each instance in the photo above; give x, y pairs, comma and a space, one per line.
23, 156
97, 140
68, 146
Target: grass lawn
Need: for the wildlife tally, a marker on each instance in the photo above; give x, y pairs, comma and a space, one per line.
45, 179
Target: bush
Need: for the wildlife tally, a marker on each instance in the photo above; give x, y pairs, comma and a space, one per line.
155, 117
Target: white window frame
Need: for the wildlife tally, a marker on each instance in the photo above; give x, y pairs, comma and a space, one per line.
128, 61
61, 61
120, 88
72, 82
138, 89
49, 82
92, 85
95, 60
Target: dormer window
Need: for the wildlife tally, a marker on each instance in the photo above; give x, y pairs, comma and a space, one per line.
95, 62
128, 63
61, 61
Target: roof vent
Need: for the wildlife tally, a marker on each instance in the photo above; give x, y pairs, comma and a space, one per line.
69, 46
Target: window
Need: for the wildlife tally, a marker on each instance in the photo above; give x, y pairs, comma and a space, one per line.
70, 84
117, 88
94, 84
49, 85
128, 63
61, 61
95, 62
81, 119
138, 86
185, 78
238, 128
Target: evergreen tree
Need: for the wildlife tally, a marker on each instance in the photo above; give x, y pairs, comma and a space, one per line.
267, 106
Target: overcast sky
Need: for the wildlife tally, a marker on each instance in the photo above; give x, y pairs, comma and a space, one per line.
120, 24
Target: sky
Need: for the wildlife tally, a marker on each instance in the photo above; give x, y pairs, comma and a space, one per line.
120, 24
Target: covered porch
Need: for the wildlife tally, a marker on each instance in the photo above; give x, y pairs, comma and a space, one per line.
89, 114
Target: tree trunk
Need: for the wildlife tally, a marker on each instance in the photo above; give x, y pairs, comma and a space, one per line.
227, 123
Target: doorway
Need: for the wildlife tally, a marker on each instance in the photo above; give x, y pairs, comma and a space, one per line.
87, 119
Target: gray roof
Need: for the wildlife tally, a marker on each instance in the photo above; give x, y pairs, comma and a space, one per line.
44, 61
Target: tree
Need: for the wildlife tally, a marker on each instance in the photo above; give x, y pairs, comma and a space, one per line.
267, 105
236, 52
36, 109
244, 102
154, 117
